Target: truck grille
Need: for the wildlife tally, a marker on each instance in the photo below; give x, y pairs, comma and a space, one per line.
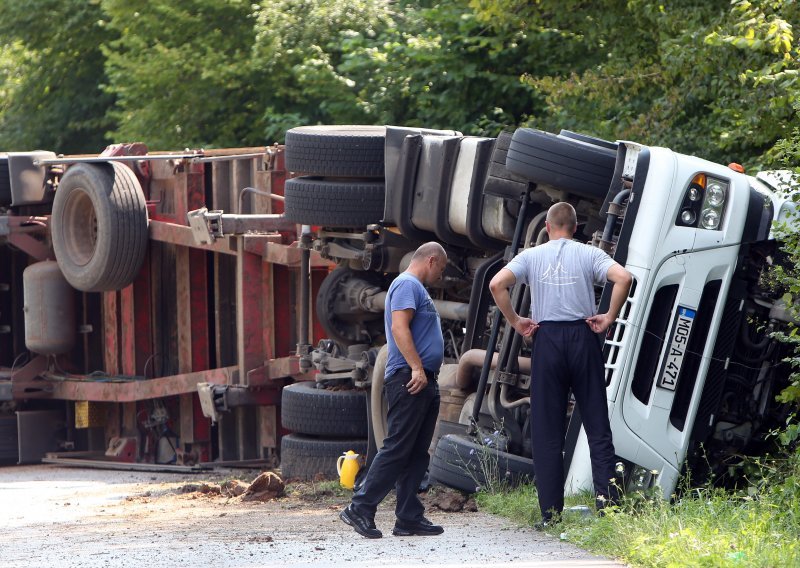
694, 354
612, 349
715, 378
655, 332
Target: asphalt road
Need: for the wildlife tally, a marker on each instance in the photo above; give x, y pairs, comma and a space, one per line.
59, 516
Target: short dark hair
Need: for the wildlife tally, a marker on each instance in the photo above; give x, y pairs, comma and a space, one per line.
562, 216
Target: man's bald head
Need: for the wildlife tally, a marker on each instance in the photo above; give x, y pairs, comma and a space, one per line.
431, 249
428, 262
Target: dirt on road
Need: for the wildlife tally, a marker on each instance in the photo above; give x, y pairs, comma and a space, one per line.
59, 516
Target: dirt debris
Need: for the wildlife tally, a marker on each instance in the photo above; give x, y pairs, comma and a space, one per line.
233, 488
449, 500
265, 487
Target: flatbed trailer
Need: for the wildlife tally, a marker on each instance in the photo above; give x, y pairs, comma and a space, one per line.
121, 376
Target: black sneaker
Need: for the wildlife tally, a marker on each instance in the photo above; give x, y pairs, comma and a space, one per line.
422, 527
361, 524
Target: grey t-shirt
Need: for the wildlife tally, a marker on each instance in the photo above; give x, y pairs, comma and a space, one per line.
561, 275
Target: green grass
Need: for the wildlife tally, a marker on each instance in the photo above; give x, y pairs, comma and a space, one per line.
317, 490
759, 526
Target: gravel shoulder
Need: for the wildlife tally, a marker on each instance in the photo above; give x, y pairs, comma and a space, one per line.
61, 516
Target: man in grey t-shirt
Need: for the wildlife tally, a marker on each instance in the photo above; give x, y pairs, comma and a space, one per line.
566, 352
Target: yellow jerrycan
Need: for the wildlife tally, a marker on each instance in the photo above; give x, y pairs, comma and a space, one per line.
347, 466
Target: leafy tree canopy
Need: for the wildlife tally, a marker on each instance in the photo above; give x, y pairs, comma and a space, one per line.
51, 75
715, 78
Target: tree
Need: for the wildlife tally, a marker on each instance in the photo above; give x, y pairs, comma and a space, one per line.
299, 51
442, 67
51, 76
180, 72
661, 74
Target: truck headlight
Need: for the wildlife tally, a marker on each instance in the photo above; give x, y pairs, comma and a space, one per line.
710, 219
716, 195
703, 203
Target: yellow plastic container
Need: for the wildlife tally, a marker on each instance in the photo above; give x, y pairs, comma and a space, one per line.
347, 466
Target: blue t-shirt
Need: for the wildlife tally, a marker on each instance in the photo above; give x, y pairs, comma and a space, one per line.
405, 292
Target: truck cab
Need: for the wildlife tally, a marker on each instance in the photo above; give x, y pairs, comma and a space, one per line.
688, 362
691, 369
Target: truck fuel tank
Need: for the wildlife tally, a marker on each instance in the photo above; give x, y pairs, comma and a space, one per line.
49, 307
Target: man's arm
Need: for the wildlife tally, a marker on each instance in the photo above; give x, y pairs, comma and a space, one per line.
401, 331
621, 279
499, 286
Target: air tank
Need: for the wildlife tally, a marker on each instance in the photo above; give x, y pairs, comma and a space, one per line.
49, 306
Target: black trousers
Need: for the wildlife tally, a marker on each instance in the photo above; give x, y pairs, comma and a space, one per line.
403, 460
568, 355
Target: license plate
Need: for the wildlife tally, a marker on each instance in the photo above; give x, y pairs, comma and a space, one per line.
679, 339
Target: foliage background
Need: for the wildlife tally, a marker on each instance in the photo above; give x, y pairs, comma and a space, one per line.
714, 78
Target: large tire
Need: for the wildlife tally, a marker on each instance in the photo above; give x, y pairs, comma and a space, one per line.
336, 151
99, 226
5, 182
463, 464
9, 449
306, 409
334, 203
499, 180
564, 163
304, 457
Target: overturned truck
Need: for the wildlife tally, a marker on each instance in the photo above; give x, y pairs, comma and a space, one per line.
226, 306
691, 368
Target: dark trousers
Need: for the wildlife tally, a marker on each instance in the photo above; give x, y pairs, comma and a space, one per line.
568, 355
403, 460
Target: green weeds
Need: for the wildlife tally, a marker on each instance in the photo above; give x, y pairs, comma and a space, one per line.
758, 526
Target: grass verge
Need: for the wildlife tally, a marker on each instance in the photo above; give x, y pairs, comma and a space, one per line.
704, 527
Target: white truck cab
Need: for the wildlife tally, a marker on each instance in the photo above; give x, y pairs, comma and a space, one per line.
697, 246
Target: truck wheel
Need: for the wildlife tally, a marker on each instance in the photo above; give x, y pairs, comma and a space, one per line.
342, 322
306, 409
334, 203
564, 163
336, 151
500, 181
5, 183
99, 226
468, 466
304, 457
589, 139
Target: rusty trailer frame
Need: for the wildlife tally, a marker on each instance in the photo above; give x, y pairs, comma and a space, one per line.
224, 312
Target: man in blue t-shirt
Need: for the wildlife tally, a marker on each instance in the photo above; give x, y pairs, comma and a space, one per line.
561, 275
416, 351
